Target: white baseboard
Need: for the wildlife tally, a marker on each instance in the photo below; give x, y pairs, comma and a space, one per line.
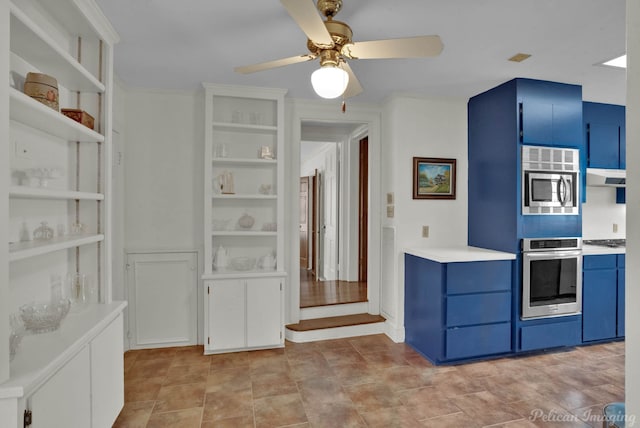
395, 333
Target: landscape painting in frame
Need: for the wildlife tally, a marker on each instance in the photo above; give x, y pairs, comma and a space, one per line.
434, 178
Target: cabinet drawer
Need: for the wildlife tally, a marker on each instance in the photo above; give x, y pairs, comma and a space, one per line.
476, 277
621, 260
551, 335
607, 261
467, 342
473, 309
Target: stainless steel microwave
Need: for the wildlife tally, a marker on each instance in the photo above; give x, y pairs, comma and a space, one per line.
550, 181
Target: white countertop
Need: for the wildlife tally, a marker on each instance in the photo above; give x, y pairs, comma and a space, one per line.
458, 254
41, 355
591, 250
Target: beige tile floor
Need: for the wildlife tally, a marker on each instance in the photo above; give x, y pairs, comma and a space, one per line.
367, 382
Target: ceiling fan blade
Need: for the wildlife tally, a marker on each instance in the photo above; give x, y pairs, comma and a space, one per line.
353, 87
306, 15
273, 64
409, 47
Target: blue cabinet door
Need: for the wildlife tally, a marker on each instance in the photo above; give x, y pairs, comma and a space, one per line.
605, 137
551, 333
599, 304
550, 113
603, 145
623, 144
476, 341
621, 297
481, 308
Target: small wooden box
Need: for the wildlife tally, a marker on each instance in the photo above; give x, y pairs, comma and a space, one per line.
79, 116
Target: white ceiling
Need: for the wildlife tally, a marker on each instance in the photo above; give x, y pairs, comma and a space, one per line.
172, 44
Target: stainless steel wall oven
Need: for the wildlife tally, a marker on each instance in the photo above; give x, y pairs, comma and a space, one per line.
551, 277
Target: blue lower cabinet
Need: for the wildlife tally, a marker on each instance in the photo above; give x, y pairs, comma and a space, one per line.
457, 311
469, 342
621, 297
553, 333
603, 297
599, 304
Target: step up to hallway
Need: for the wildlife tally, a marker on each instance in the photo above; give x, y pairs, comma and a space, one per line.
335, 327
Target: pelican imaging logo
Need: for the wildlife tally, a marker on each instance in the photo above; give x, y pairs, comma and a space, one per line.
555, 416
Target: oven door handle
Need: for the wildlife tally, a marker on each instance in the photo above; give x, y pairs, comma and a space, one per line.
553, 254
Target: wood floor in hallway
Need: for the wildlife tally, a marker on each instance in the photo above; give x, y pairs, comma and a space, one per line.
323, 293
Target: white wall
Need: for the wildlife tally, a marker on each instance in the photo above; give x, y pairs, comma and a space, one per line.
632, 387
4, 193
163, 146
421, 127
164, 149
600, 212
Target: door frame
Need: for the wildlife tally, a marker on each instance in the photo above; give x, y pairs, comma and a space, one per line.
306, 180
363, 208
308, 111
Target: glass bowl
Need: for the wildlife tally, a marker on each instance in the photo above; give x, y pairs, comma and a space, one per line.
15, 336
243, 263
44, 317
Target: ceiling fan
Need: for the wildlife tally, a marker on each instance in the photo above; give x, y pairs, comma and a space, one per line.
331, 41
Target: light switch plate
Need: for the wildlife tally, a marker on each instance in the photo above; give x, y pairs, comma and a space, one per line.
390, 198
389, 211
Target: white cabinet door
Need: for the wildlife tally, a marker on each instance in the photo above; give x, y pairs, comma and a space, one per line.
65, 399
264, 312
227, 316
107, 382
163, 296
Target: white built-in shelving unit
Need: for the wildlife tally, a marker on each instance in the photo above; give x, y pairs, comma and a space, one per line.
244, 306
72, 376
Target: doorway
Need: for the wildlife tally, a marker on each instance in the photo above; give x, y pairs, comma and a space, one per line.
333, 215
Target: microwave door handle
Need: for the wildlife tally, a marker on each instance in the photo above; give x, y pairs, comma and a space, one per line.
566, 184
562, 190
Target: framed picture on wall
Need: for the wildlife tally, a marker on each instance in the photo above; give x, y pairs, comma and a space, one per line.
434, 178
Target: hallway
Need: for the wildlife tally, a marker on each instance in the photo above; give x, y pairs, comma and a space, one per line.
323, 293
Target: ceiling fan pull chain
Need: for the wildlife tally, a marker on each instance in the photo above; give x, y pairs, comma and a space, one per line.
344, 106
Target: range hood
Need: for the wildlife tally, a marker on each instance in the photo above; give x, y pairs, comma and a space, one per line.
606, 177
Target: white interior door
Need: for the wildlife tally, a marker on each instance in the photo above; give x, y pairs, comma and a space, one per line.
163, 299
330, 215
319, 253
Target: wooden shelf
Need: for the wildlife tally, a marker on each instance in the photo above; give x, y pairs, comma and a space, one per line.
244, 127
244, 161
34, 45
247, 233
25, 250
30, 112
23, 192
244, 196
234, 274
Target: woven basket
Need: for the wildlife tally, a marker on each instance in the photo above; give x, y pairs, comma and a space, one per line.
42, 88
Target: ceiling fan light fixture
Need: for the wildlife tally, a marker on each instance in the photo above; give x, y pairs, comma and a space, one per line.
329, 81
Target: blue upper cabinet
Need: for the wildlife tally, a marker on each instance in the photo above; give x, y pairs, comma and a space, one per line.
604, 135
550, 113
500, 121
